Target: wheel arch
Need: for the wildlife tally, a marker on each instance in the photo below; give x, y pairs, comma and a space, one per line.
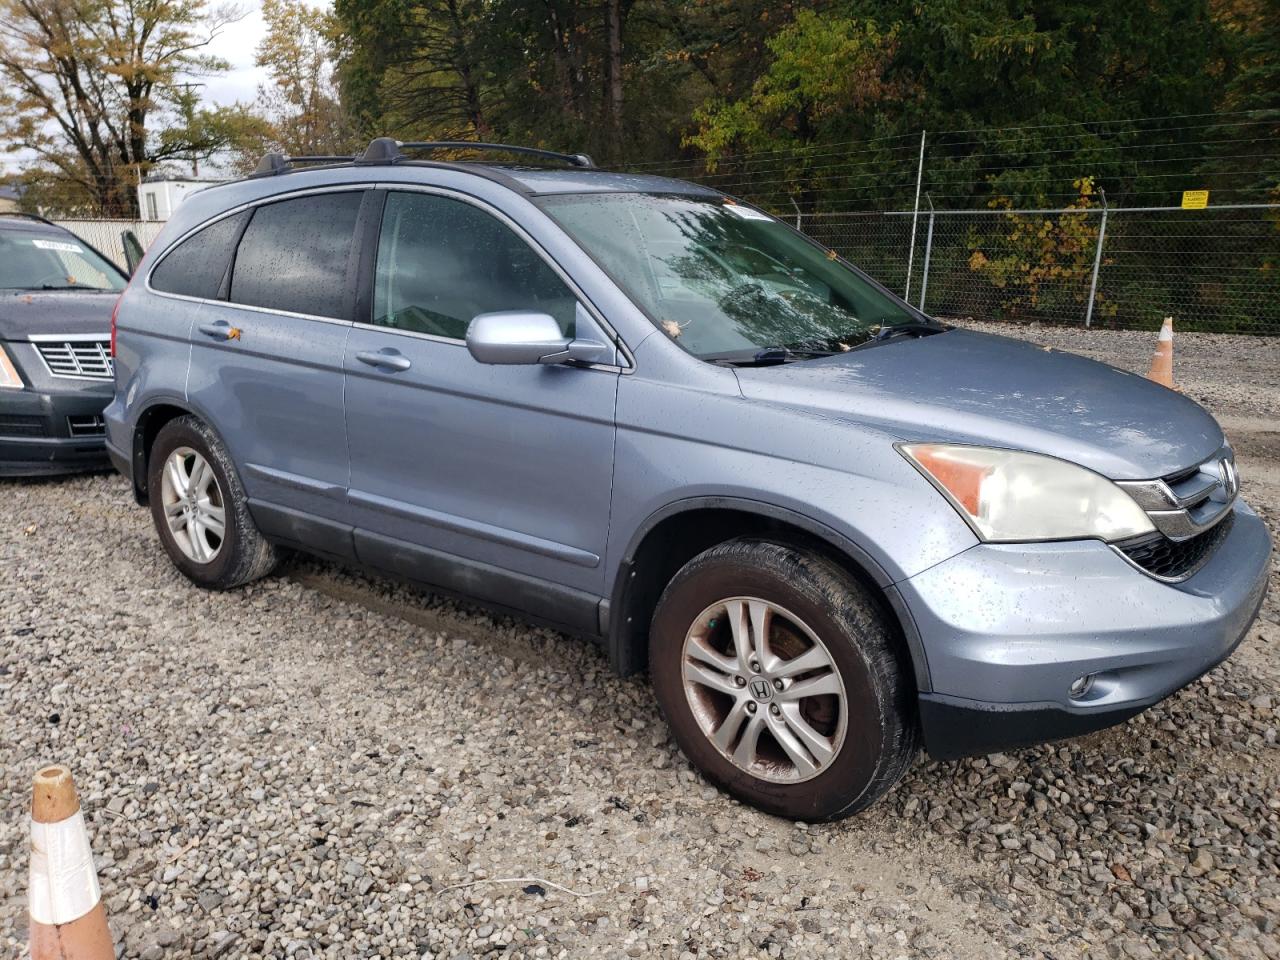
150, 421
676, 533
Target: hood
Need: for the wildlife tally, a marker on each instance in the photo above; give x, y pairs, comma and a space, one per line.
972, 387
25, 312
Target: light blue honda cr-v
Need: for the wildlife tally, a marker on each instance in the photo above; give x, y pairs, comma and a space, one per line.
639, 410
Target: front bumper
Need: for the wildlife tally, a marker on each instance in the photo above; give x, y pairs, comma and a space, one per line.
38, 431
1007, 628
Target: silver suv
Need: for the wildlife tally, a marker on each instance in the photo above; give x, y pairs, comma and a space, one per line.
651, 414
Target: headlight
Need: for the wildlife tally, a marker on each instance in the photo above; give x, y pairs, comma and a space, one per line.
1008, 496
9, 376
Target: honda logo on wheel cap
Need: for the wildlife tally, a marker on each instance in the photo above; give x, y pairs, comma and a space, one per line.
761, 689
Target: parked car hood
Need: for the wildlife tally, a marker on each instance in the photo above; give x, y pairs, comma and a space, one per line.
25, 312
977, 388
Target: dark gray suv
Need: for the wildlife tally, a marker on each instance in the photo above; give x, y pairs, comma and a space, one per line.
648, 413
56, 296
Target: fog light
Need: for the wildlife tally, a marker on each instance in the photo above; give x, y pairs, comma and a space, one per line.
1080, 689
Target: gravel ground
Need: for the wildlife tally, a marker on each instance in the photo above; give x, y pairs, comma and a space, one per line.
328, 765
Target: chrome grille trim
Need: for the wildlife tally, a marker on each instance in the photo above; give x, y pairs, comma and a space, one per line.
75, 357
1192, 501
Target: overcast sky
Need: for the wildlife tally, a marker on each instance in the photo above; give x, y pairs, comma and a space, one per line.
236, 44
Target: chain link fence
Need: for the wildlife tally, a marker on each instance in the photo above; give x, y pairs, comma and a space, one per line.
1215, 269
105, 235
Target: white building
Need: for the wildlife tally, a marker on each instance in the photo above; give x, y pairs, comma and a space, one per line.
158, 198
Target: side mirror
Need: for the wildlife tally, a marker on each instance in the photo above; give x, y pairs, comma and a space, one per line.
132, 249
525, 337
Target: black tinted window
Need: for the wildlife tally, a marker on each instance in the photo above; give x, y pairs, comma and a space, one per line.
442, 261
196, 266
294, 255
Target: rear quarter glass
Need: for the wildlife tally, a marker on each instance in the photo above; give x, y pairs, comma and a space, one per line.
196, 266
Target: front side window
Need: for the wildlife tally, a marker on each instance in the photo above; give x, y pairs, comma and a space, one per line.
442, 261
196, 266
53, 260
724, 280
294, 255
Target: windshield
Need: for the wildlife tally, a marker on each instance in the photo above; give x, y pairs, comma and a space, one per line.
31, 260
725, 280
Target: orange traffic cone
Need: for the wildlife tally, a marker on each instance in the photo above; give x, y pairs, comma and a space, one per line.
1162, 360
68, 920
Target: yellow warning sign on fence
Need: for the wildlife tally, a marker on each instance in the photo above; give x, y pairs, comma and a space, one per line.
1195, 199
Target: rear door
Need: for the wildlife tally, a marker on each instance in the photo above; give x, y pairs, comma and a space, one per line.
266, 366
491, 480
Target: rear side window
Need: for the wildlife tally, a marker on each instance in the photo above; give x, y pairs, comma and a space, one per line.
443, 261
196, 266
294, 254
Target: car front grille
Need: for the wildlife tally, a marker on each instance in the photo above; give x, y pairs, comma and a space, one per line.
1191, 511
1176, 559
87, 358
15, 426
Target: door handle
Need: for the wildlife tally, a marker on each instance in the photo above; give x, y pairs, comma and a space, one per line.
220, 330
387, 358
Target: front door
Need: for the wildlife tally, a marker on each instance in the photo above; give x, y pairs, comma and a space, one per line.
490, 480
266, 364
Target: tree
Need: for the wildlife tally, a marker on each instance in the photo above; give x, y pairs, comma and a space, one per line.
88, 82
1252, 94
413, 68
1041, 263
1036, 95
827, 73
300, 104
827, 79
617, 78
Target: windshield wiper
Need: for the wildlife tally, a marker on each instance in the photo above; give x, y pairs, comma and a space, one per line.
67, 286
891, 331
769, 356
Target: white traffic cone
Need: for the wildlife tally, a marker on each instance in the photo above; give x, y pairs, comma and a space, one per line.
68, 920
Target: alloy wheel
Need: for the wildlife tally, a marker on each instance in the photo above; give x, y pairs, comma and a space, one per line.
764, 689
193, 505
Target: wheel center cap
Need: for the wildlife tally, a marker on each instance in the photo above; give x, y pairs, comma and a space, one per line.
762, 689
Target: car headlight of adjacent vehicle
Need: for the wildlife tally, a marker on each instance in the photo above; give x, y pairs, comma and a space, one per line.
9, 376
1010, 496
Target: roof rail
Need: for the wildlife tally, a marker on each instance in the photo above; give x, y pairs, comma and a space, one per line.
387, 150
274, 163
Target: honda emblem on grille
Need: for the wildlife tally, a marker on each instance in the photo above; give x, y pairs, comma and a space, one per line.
1230, 479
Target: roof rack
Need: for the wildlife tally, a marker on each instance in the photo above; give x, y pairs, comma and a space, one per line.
274, 163
387, 150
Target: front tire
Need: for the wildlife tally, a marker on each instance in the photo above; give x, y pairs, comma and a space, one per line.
782, 681
200, 509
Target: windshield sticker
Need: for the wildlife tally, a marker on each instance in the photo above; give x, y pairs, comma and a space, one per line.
57, 245
746, 213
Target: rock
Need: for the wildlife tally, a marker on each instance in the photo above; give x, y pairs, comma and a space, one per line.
297, 690
1042, 850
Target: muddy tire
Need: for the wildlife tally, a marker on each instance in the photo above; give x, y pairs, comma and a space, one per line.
783, 680
200, 509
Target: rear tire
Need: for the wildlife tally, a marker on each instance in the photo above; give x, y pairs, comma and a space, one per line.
200, 509
814, 723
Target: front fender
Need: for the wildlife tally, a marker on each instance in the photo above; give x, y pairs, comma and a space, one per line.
619, 640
